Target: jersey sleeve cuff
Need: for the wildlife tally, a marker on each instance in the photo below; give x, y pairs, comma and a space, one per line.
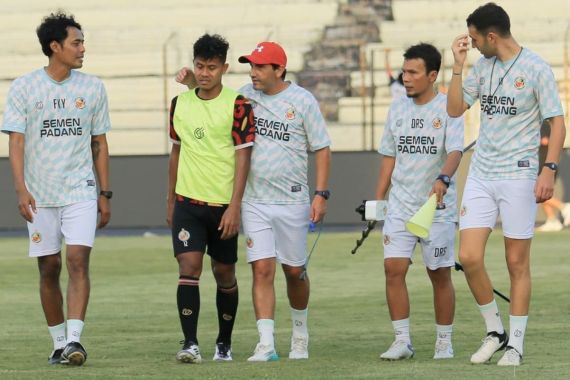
246, 145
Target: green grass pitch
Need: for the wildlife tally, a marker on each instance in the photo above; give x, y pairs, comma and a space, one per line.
132, 329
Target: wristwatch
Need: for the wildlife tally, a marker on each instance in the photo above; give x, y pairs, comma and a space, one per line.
106, 194
551, 165
445, 179
323, 193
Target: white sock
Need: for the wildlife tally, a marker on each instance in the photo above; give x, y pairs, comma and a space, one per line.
58, 335
299, 319
266, 328
74, 330
517, 330
490, 313
402, 329
444, 332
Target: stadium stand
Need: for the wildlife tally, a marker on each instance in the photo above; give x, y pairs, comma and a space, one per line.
330, 44
536, 26
125, 45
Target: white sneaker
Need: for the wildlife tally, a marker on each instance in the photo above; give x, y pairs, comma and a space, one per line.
551, 225
443, 349
566, 214
398, 350
299, 347
223, 353
511, 357
190, 353
263, 354
492, 343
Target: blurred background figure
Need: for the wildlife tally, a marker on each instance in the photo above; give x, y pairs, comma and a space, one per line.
553, 208
396, 83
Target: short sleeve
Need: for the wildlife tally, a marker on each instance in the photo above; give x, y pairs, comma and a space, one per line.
547, 94
315, 126
15, 112
243, 128
471, 87
387, 143
454, 134
101, 122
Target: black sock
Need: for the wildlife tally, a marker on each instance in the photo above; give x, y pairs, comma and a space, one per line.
227, 303
188, 298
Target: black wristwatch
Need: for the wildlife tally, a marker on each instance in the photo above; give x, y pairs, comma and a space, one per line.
551, 165
445, 179
323, 193
106, 194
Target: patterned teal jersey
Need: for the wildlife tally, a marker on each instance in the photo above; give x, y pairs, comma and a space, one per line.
287, 124
515, 97
420, 137
58, 120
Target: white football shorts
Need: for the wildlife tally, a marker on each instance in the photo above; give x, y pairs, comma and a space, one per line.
278, 231
76, 223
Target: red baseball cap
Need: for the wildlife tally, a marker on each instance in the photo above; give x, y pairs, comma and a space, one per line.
266, 53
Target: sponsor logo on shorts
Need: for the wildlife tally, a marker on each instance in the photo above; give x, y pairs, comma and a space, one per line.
296, 188
463, 211
440, 252
249, 242
227, 317
386, 239
79, 103
186, 312
290, 114
436, 123
184, 236
199, 133
523, 164
36, 237
519, 83
90, 182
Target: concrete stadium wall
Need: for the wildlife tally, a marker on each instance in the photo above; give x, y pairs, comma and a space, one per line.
140, 182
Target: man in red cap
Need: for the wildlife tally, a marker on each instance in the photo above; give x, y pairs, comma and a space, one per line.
276, 208
276, 211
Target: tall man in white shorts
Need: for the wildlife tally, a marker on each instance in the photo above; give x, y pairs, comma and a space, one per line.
421, 148
517, 91
57, 119
276, 211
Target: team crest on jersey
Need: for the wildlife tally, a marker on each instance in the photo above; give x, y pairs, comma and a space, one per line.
199, 133
481, 81
436, 123
290, 115
39, 105
249, 242
36, 237
463, 211
79, 103
399, 123
386, 239
519, 83
184, 236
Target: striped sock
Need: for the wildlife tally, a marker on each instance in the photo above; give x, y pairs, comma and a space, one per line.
188, 299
